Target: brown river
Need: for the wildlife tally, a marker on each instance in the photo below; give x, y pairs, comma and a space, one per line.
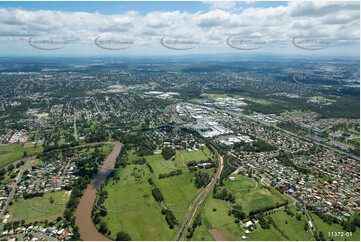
83, 219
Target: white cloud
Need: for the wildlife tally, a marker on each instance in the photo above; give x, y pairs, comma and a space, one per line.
227, 5
332, 20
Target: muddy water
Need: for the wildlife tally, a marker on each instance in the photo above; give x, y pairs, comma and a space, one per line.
83, 219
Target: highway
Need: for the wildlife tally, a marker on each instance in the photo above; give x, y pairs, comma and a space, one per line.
192, 209
300, 137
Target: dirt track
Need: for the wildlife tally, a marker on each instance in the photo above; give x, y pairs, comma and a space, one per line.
216, 235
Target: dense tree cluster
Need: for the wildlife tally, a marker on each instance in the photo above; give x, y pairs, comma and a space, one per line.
170, 174
140, 143
32, 195
157, 194
150, 168
268, 208
238, 212
122, 158
263, 222
140, 161
121, 236
352, 224
197, 222
168, 153
170, 218
202, 179
223, 194
2, 173
229, 167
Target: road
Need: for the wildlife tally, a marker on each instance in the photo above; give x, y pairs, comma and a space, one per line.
308, 217
175, 117
294, 134
75, 129
192, 209
11, 194
46, 237
318, 143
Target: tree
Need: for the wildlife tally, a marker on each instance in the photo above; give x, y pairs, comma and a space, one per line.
238, 213
157, 195
10, 167
103, 228
103, 212
121, 236
305, 226
168, 152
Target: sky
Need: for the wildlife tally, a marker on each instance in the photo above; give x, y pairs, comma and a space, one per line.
318, 27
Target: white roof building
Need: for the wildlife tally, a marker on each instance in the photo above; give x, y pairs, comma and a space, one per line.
247, 224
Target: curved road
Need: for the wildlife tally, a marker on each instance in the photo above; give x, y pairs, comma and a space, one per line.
83, 220
192, 209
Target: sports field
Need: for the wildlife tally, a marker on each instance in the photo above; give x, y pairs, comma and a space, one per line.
251, 195
9, 153
39, 208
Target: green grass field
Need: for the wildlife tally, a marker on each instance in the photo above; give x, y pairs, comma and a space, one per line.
218, 220
39, 208
326, 228
225, 224
9, 153
251, 195
183, 157
265, 235
241, 184
134, 210
294, 228
178, 192
194, 155
106, 149
259, 101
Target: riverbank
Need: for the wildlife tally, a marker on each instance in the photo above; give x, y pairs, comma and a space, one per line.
87, 229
